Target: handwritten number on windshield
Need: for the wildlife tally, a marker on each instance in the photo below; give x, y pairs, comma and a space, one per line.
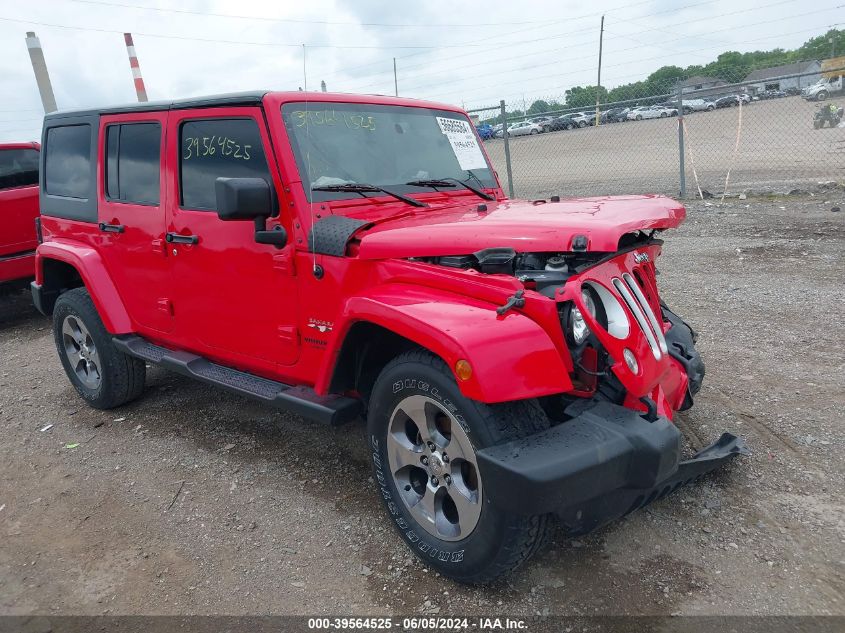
200, 147
332, 117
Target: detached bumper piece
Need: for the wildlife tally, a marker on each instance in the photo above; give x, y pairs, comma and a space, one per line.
604, 463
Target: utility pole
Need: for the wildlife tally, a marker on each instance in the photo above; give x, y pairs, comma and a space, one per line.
832, 47
395, 79
598, 85
42, 77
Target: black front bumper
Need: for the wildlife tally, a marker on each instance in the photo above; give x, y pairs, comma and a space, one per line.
604, 463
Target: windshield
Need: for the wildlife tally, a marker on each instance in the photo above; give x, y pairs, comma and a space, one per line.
384, 146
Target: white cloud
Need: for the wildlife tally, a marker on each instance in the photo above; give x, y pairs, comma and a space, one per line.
489, 52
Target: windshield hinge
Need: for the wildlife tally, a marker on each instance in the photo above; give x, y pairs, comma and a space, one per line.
516, 301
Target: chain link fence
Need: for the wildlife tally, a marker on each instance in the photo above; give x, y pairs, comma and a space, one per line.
699, 136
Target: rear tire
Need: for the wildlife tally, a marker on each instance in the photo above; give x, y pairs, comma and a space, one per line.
100, 373
418, 422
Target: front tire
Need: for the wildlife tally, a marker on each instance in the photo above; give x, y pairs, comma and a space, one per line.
100, 373
424, 435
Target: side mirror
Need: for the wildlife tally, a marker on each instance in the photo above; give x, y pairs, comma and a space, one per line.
243, 198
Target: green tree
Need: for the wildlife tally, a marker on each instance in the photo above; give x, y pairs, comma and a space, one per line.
582, 97
819, 47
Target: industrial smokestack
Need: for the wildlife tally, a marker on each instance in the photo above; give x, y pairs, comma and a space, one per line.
42, 77
136, 68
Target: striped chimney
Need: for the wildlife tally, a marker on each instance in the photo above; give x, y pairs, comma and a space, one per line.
136, 69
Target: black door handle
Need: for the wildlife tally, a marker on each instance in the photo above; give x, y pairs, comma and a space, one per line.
175, 238
112, 228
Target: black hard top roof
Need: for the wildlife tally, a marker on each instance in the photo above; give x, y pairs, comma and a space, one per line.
230, 99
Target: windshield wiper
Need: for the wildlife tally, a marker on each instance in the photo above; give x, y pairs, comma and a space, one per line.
449, 182
361, 188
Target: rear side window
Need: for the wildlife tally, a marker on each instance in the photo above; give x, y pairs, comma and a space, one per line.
67, 162
133, 152
18, 168
214, 148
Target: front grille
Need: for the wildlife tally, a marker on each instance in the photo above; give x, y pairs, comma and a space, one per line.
632, 294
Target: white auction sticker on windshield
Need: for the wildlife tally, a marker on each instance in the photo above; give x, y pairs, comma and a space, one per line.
463, 142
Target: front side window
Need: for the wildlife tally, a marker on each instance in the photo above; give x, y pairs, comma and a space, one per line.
384, 146
18, 168
67, 161
215, 148
133, 160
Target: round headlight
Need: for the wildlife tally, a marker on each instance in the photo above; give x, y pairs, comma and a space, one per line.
578, 326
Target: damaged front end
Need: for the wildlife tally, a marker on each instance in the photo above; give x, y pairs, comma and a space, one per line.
612, 447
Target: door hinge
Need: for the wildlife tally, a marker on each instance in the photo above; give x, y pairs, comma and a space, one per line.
288, 334
283, 261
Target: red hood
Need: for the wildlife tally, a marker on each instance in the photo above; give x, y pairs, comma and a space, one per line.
520, 225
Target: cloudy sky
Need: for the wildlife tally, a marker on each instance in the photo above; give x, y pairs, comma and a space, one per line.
471, 53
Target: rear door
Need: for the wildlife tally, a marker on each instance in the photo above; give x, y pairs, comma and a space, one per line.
131, 204
234, 299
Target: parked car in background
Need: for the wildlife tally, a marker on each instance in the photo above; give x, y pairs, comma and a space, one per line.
524, 128
771, 94
18, 211
485, 131
583, 119
745, 98
727, 102
651, 112
559, 123
542, 121
615, 115
698, 105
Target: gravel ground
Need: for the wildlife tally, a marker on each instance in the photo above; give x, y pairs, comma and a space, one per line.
193, 501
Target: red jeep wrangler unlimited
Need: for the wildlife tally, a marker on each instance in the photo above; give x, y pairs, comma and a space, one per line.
343, 256
18, 211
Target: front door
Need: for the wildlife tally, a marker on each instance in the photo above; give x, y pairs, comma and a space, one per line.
234, 299
131, 203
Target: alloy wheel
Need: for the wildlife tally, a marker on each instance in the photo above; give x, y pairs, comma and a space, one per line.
81, 352
434, 467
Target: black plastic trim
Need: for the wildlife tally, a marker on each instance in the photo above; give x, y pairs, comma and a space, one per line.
681, 342
330, 409
250, 98
17, 255
592, 468
43, 300
330, 235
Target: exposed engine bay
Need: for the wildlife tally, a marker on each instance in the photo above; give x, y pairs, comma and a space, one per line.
543, 272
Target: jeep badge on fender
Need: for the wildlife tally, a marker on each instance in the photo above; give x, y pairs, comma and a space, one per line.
354, 257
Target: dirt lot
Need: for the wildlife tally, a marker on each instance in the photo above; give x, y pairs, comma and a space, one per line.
194, 501
778, 149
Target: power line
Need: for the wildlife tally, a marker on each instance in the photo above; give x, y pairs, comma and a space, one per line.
767, 37
500, 44
711, 17
579, 31
239, 42
230, 16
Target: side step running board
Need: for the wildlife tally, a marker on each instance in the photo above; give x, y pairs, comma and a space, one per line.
331, 409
